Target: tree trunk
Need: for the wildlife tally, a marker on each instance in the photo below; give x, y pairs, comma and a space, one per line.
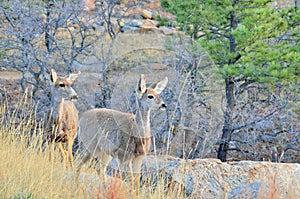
227, 127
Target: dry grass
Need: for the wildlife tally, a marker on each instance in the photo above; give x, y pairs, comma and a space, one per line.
26, 170
30, 169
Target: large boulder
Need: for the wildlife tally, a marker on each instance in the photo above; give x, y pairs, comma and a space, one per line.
211, 178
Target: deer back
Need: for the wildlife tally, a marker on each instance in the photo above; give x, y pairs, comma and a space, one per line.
108, 130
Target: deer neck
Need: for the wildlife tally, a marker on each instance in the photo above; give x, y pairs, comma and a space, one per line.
143, 121
57, 105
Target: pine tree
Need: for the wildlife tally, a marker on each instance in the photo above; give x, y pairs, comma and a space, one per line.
250, 41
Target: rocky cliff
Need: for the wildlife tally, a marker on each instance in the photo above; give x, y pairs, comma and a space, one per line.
210, 178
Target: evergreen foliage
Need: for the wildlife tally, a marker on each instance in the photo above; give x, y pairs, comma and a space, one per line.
248, 38
250, 42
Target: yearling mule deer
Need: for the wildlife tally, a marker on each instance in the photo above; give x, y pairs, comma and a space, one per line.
65, 114
108, 133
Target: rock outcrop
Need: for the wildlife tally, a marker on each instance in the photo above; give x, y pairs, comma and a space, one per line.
210, 178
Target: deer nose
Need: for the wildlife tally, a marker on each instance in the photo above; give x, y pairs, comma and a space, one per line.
74, 97
163, 106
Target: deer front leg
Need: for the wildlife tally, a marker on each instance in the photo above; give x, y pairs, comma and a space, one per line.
104, 161
70, 152
136, 172
64, 153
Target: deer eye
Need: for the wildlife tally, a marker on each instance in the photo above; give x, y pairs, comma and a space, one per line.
61, 85
150, 96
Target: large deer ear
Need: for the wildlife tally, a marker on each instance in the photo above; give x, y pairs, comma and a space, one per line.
141, 86
73, 77
160, 86
53, 76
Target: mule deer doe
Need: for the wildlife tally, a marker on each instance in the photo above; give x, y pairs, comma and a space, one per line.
108, 133
65, 114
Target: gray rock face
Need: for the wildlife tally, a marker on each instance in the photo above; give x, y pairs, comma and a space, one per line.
210, 178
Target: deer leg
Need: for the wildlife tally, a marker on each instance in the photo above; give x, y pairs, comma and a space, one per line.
136, 167
104, 161
85, 157
70, 152
131, 177
136, 172
63, 153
